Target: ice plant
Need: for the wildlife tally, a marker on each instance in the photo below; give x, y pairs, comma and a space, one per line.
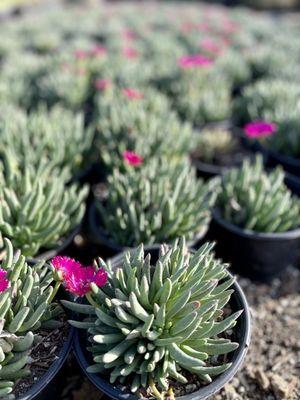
155, 320
147, 128
132, 93
131, 158
256, 200
76, 277
257, 129
156, 203
37, 209
194, 61
26, 297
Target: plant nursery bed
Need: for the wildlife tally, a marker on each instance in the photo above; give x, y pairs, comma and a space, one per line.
43, 355
271, 368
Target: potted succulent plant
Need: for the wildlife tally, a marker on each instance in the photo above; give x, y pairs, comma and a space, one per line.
58, 137
269, 113
216, 149
137, 121
201, 94
279, 143
161, 322
151, 203
256, 221
30, 322
38, 212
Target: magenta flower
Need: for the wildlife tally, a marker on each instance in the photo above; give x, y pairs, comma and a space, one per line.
194, 61
77, 278
102, 84
79, 282
132, 93
65, 265
130, 52
258, 129
4, 282
132, 158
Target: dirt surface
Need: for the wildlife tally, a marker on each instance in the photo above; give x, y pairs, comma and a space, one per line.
272, 367
42, 356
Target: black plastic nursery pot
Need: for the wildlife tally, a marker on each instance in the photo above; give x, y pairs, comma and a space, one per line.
99, 236
259, 256
62, 245
243, 333
209, 170
272, 158
51, 385
289, 164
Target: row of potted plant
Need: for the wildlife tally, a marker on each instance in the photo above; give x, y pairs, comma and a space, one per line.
165, 321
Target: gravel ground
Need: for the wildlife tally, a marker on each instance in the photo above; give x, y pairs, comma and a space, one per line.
272, 367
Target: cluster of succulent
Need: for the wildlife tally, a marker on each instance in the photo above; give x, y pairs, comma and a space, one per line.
26, 295
212, 142
37, 209
256, 200
140, 207
155, 321
272, 100
145, 125
57, 137
201, 97
67, 85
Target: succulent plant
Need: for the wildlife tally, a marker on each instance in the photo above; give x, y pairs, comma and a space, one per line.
234, 68
26, 294
37, 209
146, 126
211, 142
57, 136
154, 203
253, 199
270, 100
202, 97
67, 85
153, 323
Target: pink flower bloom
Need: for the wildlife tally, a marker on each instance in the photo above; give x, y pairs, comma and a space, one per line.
102, 84
132, 93
132, 158
77, 278
65, 265
98, 50
81, 54
194, 61
258, 129
211, 46
130, 52
4, 282
79, 282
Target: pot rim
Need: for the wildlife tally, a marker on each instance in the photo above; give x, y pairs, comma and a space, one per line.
249, 234
204, 392
102, 238
46, 379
